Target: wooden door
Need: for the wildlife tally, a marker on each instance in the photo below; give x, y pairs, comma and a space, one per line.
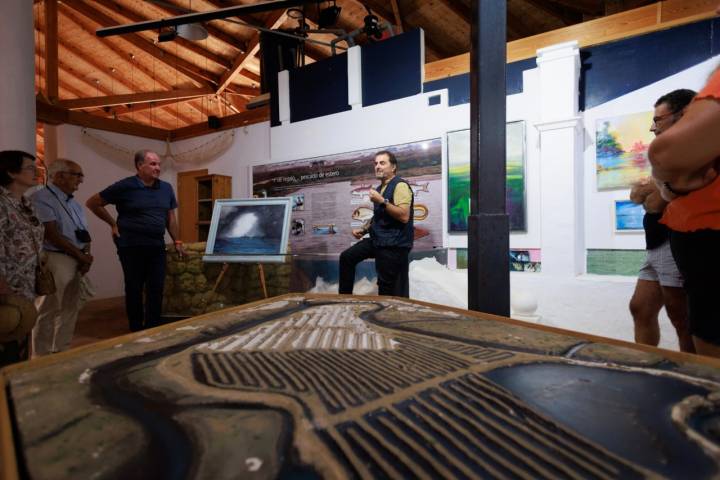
187, 203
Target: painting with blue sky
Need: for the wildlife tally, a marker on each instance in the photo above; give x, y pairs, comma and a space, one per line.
628, 216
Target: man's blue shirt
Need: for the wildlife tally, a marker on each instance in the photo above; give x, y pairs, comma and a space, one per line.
54, 205
142, 211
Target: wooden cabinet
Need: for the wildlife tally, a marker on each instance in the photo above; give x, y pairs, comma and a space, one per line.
196, 198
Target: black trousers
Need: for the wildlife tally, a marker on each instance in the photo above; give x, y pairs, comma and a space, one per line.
391, 265
695, 254
144, 271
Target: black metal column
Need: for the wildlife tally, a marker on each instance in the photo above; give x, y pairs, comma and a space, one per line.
488, 224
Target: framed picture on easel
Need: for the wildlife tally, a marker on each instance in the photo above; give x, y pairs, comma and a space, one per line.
251, 230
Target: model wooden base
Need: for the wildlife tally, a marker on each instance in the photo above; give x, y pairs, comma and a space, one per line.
360, 387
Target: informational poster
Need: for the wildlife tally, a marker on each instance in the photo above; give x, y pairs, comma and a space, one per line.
331, 195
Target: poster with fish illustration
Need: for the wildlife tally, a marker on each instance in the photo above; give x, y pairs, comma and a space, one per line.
621, 145
331, 194
459, 178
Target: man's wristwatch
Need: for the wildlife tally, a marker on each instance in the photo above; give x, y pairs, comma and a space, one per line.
386, 201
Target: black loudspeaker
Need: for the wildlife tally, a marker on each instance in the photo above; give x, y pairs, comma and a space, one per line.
213, 121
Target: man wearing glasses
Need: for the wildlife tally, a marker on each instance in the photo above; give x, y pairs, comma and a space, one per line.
67, 246
659, 280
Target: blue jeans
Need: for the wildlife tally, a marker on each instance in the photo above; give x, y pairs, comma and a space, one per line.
144, 271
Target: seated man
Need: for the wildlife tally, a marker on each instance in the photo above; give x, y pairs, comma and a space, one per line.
391, 233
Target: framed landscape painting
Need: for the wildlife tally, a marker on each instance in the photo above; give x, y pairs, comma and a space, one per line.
628, 216
621, 145
249, 230
459, 178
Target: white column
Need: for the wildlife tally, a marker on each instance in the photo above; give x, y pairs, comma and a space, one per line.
17, 76
561, 161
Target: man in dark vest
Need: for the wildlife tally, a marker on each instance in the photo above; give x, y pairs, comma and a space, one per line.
391, 233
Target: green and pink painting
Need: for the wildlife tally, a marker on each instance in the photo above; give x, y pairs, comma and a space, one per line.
459, 178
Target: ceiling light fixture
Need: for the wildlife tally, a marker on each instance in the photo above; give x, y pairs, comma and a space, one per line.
192, 31
167, 35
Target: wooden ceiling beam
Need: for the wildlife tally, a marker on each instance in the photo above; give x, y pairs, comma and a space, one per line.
252, 76
459, 9
517, 26
250, 20
70, 16
213, 31
595, 8
69, 72
196, 74
378, 8
128, 99
171, 107
55, 115
396, 15
243, 119
565, 15
122, 55
61, 85
187, 44
51, 50
273, 20
243, 90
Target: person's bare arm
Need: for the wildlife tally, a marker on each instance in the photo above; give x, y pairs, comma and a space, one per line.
400, 213
96, 204
684, 155
174, 231
654, 203
641, 190
53, 236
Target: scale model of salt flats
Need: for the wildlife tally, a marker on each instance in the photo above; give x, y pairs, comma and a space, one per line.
329, 386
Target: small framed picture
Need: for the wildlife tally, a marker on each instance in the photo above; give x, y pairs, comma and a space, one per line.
249, 230
628, 216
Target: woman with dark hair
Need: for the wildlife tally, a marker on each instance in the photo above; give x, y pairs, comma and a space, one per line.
21, 236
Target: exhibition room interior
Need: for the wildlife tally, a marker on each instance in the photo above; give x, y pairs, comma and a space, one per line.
274, 123
371, 75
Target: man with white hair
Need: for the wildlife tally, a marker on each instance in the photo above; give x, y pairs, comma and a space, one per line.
67, 247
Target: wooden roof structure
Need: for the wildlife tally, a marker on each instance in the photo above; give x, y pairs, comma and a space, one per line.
134, 84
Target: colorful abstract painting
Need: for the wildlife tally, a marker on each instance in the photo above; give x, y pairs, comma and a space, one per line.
628, 216
621, 145
459, 178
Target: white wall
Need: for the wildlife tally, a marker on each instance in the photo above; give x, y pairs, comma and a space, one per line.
101, 168
406, 120
599, 219
250, 146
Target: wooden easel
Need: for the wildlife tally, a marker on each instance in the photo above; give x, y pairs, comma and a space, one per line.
261, 274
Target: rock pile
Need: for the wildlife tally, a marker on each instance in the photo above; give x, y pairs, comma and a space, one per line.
190, 283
